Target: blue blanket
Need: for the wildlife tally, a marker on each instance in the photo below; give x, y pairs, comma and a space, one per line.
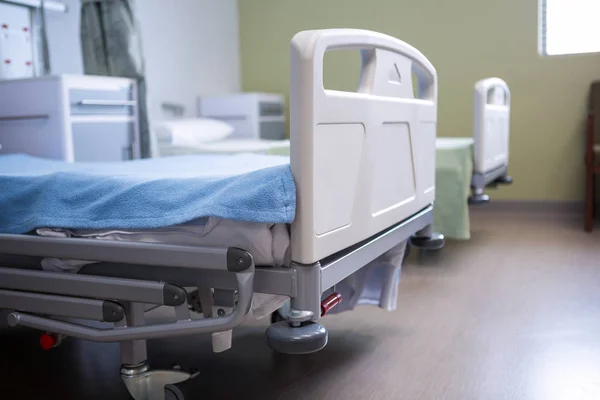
153, 193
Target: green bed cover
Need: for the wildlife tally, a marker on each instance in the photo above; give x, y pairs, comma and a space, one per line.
453, 169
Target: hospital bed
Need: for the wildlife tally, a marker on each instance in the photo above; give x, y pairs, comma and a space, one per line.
491, 131
466, 166
344, 209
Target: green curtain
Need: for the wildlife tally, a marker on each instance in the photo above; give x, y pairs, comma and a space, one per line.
111, 46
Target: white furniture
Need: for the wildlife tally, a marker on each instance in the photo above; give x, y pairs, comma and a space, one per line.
253, 115
71, 118
491, 126
491, 132
16, 42
20, 37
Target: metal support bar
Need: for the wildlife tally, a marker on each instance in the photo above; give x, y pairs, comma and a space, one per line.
231, 259
120, 334
269, 280
92, 286
339, 266
134, 352
62, 306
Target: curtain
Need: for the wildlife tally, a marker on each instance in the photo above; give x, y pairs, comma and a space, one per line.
111, 46
40, 39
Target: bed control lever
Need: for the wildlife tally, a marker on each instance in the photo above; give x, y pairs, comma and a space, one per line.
331, 301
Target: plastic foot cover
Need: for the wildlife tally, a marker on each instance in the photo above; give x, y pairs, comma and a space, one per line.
307, 338
479, 199
504, 180
435, 242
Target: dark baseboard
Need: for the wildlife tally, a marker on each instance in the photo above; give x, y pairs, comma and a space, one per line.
530, 206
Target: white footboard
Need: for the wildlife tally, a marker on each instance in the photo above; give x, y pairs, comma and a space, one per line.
362, 161
491, 124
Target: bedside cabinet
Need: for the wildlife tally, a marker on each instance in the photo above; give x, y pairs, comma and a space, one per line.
70, 118
252, 115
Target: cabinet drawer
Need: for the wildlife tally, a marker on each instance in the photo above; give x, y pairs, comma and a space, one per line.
272, 130
103, 141
105, 102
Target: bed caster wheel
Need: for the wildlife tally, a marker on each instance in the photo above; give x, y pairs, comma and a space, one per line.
504, 180
434, 242
173, 392
477, 199
145, 384
307, 338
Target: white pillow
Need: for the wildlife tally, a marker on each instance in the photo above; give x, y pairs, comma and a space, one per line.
191, 132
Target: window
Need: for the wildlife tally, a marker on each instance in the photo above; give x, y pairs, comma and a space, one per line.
569, 26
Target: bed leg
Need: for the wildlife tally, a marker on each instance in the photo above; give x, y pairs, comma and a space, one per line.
141, 382
505, 180
300, 333
134, 351
479, 197
427, 239
478, 187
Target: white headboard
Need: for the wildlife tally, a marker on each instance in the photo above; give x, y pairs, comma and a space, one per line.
491, 125
364, 160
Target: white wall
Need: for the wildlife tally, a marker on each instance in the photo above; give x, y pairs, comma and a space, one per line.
191, 48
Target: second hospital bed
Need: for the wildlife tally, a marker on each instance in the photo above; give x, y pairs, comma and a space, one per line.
326, 216
465, 167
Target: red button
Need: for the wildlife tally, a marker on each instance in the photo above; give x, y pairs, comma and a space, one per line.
47, 341
6, 61
5, 26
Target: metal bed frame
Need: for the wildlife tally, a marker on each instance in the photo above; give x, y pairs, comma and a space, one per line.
124, 278
110, 291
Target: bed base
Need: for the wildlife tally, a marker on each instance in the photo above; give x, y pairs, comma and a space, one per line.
479, 181
128, 276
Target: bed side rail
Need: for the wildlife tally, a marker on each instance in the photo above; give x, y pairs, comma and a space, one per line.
25, 286
231, 259
122, 332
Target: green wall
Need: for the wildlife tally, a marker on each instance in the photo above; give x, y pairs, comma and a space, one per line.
466, 40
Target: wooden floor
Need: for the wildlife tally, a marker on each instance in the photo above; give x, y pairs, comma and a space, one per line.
513, 313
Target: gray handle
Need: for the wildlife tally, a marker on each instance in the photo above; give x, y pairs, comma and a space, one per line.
107, 103
24, 117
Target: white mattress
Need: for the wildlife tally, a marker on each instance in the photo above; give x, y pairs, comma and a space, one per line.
268, 243
228, 146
